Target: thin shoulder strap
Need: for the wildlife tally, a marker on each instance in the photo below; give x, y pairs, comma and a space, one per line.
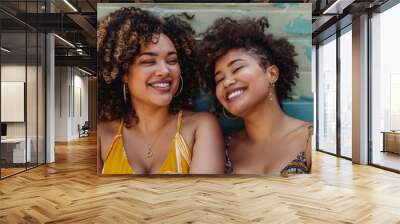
121, 125
310, 133
228, 161
178, 126
298, 128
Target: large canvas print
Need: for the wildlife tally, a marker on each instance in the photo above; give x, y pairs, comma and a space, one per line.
204, 88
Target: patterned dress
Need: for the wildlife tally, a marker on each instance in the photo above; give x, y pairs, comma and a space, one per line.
296, 166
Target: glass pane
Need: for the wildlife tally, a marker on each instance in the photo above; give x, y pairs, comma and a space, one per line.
31, 97
41, 98
13, 85
346, 94
23, 82
385, 89
327, 96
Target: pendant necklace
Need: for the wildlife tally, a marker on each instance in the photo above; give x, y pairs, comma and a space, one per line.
149, 153
149, 146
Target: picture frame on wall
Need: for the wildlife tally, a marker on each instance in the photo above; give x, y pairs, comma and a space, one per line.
204, 88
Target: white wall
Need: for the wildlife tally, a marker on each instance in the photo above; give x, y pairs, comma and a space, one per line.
80, 110
61, 103
71, 94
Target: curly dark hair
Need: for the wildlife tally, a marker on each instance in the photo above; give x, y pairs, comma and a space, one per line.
120, 37
249, 34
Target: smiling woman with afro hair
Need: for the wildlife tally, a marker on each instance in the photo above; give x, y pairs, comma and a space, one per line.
146, 81
251, 72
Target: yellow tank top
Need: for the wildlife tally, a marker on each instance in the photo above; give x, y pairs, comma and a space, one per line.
177, 161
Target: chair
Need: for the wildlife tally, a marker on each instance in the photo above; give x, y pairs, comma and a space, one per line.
84, 130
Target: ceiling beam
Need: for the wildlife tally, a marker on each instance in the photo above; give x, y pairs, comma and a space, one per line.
83, 61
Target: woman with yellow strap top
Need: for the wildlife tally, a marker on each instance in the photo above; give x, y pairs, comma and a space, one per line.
146, 80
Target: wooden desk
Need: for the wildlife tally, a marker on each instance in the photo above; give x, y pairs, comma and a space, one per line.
391, 141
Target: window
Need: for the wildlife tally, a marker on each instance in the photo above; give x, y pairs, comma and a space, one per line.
327, 96
385, 89
346, 92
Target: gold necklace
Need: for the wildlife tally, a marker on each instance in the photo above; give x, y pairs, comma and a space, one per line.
149, 151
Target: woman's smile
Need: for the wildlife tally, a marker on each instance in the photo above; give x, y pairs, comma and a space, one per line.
161, 86
234, 93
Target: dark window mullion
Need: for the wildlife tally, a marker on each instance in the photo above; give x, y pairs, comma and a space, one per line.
317, 97
338, 73
37, 90
369, 90
26, 86
47, 4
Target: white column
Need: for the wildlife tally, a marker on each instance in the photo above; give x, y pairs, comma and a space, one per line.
360, 90
50, 93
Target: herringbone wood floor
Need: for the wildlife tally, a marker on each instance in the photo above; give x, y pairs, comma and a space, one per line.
70, 192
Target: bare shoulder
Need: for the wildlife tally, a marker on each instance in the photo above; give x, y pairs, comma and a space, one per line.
207, 142
107, 128
199, 119
299, 127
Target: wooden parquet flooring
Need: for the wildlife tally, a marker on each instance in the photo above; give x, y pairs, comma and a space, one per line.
69, 191
10, 171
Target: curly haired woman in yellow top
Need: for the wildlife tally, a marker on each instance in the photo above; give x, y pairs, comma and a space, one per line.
146, 81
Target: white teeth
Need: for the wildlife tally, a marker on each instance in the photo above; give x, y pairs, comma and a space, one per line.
161, 85
235, 94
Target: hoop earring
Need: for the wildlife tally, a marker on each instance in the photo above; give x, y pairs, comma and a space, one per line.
180, 89
124, 91
229, 117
